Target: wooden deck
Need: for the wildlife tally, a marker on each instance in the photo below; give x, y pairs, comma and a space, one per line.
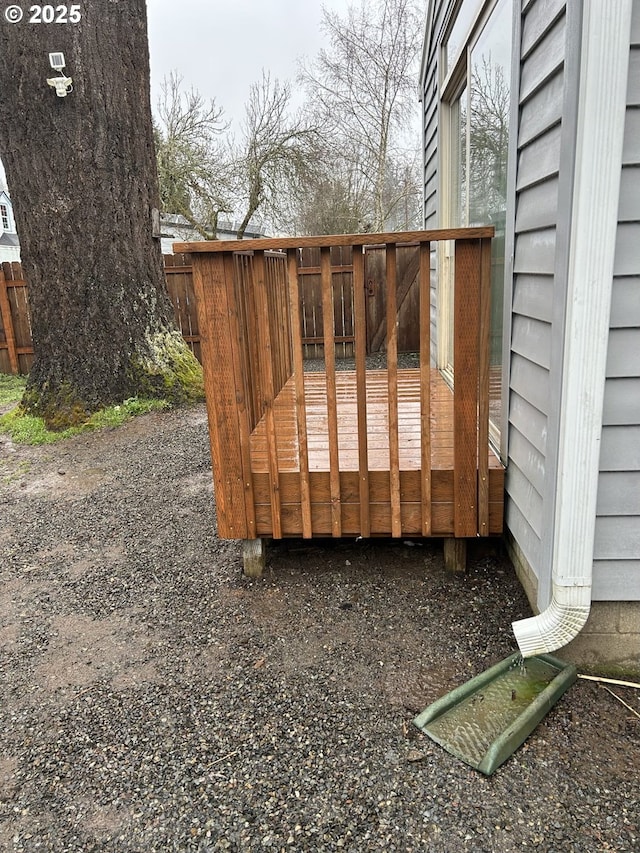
391, 452
378, 457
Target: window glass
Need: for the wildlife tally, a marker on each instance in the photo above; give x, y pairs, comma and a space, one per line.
4, 213
459, 193
478, 147
459, 32
489, 106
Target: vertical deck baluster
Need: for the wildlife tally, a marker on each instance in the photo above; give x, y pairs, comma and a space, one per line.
465, 387
332, 403
239, 358
301, 407
483, 388
392, 380
266, 371
425, 385
360, 332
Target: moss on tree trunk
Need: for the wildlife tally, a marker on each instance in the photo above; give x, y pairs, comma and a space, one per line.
167, 371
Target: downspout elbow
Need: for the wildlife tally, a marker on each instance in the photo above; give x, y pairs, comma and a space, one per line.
560, 623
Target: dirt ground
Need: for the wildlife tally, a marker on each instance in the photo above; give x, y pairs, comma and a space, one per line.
154, 699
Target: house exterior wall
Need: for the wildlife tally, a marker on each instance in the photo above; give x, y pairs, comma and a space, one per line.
541, 163
431, 115
616, 571
9, 245
542, 142
544, 89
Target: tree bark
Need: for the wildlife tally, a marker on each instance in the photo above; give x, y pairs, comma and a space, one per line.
82, 175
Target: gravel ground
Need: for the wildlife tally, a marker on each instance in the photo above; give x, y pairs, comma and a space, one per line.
152, 699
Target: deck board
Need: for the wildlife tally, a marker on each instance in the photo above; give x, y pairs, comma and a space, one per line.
284, 411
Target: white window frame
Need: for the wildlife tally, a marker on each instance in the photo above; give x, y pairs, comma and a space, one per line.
452, 83
5, 217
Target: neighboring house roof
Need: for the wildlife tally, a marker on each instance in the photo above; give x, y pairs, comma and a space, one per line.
175, 227
8, 239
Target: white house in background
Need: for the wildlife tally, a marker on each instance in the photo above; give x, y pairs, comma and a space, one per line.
9, 243
531, 121
175, 228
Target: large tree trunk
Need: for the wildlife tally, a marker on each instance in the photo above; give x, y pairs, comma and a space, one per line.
82, 176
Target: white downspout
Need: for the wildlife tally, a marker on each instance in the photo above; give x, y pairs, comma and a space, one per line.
600, 131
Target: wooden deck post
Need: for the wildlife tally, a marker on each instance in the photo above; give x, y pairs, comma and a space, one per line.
221, 386
483, 387
425, 386
455, 555
253, 557
465, 387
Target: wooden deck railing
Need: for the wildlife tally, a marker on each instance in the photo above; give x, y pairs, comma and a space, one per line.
252, 345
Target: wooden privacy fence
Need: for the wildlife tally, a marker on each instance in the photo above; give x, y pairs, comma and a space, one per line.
358, 452
16, 344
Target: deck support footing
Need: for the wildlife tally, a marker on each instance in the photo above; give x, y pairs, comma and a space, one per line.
455, 555
253, 557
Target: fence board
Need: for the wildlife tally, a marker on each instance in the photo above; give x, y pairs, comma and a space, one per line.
8, 339
407, 298
16, 342
16, 348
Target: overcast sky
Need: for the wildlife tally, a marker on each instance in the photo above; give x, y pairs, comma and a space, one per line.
221, 47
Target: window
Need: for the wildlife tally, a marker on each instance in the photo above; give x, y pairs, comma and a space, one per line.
475, 142
4, 214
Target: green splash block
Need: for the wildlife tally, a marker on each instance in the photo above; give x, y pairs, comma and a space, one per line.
485, 720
